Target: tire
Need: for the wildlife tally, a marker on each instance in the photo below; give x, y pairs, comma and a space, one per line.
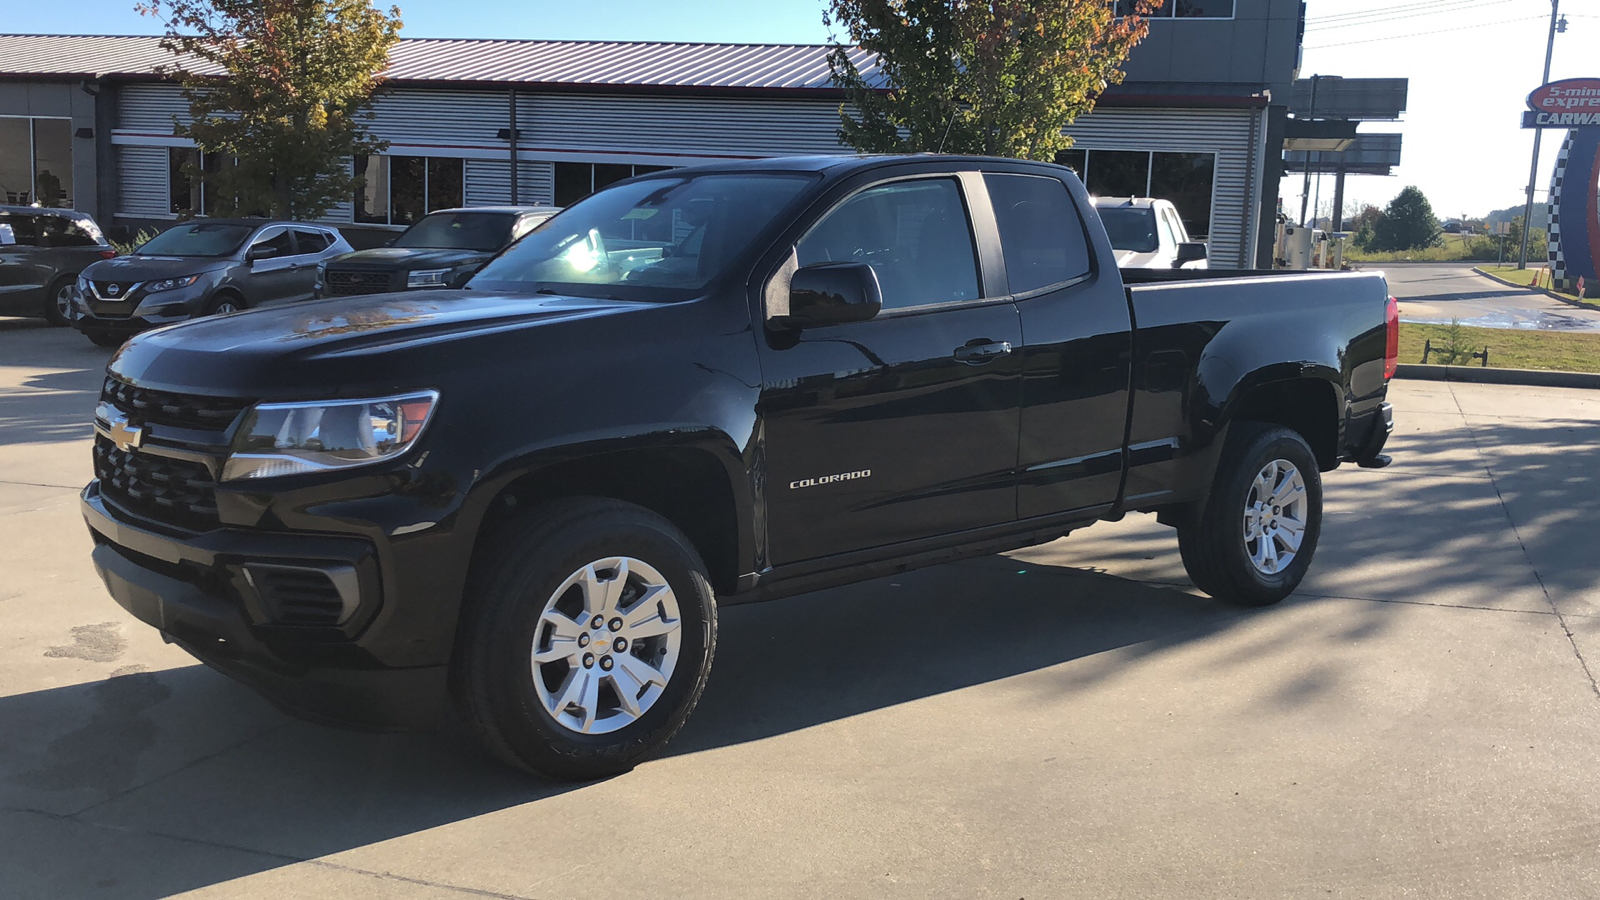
103, 339
225, 303
525, 648
1245, 555
55, 296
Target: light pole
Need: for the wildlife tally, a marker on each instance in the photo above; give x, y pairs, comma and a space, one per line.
1533, 175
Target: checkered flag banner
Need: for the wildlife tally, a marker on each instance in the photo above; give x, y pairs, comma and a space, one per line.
1558, 260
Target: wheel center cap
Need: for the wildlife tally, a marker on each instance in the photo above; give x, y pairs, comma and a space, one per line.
602, 643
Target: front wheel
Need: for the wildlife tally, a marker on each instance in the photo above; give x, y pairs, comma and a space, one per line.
58, 309
224, 304
588, 638
1252, 542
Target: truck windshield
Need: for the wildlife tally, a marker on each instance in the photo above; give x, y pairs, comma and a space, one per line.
197, 239
662, 238
459, 231
1131, 228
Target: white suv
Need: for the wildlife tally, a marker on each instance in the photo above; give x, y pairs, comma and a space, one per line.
1148, 234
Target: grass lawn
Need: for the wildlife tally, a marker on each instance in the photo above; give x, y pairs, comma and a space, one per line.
1452, 248
1508, 348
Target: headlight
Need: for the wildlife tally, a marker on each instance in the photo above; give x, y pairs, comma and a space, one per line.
170, 284
428, 278
293, 438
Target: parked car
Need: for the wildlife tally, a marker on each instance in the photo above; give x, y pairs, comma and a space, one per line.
1149, 234
443, 249
41, 253
200, 268
702, 387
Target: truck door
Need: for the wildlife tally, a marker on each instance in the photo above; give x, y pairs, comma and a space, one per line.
904, 426
1076, 350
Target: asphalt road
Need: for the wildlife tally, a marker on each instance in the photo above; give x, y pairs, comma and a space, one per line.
1068, 721
1439, 292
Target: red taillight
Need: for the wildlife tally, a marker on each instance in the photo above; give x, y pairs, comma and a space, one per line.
108, 254
1391, 347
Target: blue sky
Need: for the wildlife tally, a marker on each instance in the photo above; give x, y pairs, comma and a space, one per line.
1471, 63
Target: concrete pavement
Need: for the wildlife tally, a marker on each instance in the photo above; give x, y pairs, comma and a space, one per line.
1421, 719
1439, 292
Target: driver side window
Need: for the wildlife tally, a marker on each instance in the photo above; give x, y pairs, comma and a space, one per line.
914, 235
271, 244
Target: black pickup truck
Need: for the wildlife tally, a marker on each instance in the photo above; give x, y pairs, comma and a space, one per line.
525, 499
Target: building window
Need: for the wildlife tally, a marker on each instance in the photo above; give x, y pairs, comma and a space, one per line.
36, 162
1186, 179
1183, 9
191, 196
399, 190
575, 181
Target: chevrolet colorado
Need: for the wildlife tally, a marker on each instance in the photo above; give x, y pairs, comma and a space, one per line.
525, 499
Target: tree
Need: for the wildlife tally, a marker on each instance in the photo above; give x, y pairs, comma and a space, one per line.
993, 77
1363, 223
1407, 224
289, 105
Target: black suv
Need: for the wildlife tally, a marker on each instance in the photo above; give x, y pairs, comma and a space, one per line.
443, 249
41, 253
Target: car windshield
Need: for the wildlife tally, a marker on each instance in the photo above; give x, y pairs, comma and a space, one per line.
197, 239
459, 231
661, 238
1131, 228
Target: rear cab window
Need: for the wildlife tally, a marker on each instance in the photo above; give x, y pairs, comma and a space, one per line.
1041, 233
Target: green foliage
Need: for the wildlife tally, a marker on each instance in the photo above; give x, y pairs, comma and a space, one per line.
990, 77
123, 249
1407, 224
1454, 348
291, 106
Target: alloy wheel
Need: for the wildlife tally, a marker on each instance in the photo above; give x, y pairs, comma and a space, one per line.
1275, 516
607, 643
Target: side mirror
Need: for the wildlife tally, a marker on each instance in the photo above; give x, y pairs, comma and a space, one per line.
259, 252
833, 294
1193, 251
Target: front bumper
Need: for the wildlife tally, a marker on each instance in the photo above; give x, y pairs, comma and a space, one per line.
194, 590
140, 312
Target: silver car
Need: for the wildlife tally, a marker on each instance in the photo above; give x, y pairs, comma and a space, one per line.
200, 268
41, 253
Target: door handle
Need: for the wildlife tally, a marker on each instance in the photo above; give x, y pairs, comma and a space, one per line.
980, 351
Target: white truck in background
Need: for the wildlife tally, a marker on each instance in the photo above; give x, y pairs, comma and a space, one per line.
1147, 233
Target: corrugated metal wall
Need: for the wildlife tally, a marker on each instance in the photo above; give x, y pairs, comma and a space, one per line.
466, 123
710, 126
1229, 133
142, 181
488, 182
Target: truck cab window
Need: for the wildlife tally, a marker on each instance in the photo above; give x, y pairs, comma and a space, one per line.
1040, 230
915, 236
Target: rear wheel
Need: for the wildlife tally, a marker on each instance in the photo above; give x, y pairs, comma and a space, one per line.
1253, 540
588, 639
58, 309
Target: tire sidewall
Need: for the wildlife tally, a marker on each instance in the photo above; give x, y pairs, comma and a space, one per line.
519, 598
51, 314
1278, 443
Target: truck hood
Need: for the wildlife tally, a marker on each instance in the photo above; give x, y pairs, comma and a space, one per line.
348, 346
410, 258
153, 268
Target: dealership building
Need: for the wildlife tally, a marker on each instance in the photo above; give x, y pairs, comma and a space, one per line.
87, 122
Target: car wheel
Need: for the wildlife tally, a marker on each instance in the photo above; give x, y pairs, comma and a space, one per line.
58, 309
102, 339
587, 639
225, 304
1252, 542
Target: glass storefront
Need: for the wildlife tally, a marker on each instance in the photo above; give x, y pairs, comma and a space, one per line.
399, 190
1185, 179
36, 162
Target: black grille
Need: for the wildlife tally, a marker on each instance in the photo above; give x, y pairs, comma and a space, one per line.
178, 410
292, 596
168, 490
347, 283
114, 290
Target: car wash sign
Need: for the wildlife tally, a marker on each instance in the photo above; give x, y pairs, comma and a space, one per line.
1574, 103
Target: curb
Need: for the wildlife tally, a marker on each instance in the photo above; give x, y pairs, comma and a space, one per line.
1480, 375
1528, 287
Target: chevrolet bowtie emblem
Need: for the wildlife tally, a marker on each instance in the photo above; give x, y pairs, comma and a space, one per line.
123, 435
